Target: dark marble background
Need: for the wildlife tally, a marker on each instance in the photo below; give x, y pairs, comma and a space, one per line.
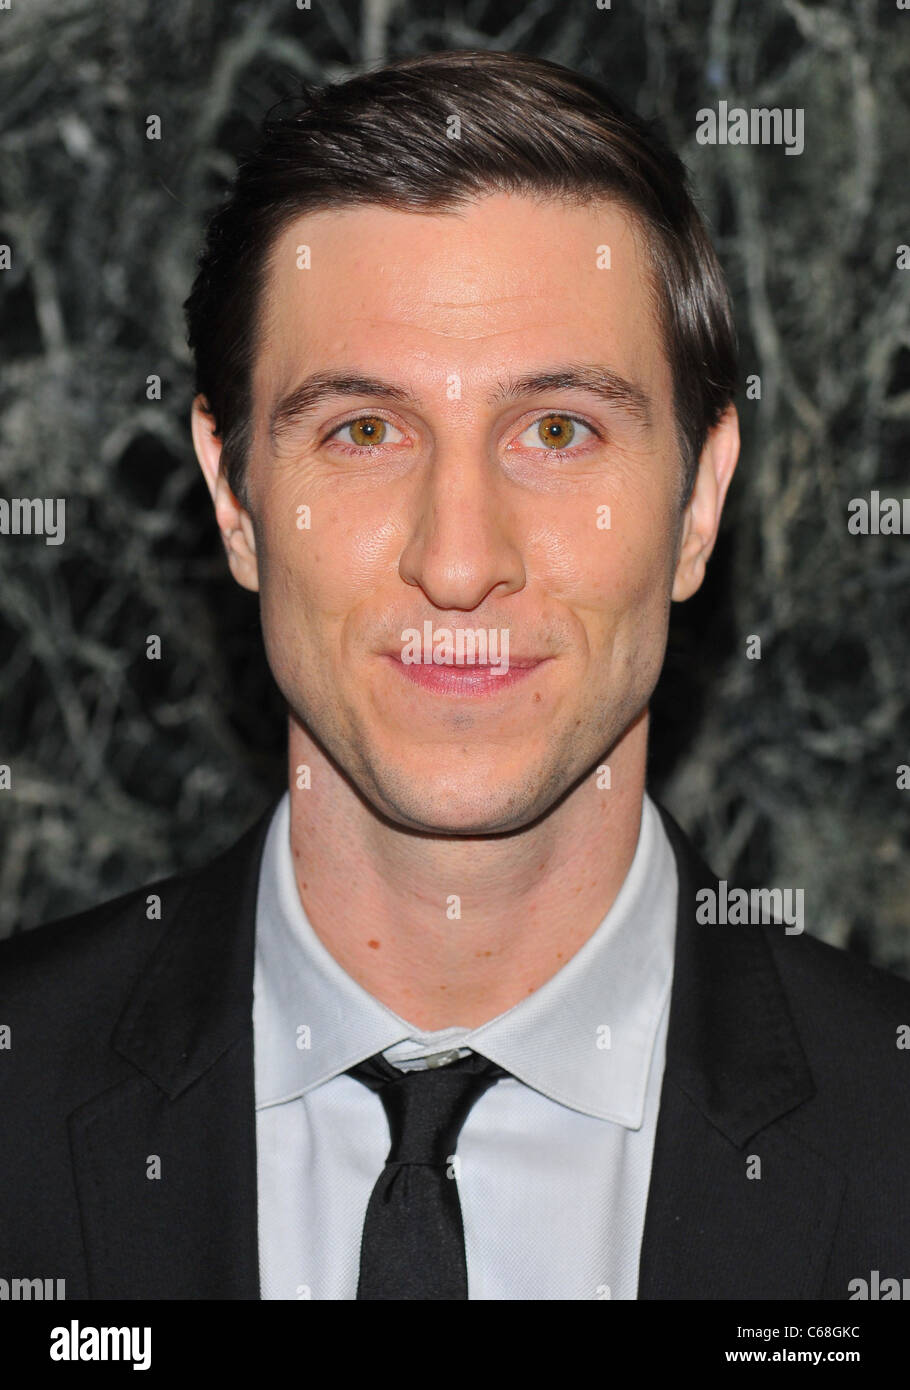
784, 769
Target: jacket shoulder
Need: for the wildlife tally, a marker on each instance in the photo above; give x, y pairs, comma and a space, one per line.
89, 956
841, 996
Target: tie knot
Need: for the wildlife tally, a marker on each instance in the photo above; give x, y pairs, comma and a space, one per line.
426, 1108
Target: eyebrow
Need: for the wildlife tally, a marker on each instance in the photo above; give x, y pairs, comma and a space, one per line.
603, 382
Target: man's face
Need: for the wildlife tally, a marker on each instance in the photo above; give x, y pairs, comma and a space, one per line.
450, 507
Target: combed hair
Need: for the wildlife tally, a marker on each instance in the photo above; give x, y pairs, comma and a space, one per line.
527, 126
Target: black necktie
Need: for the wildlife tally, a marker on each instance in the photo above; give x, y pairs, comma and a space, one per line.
413, 1237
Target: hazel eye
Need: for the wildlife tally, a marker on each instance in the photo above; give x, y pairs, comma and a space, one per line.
555, 431
367, 430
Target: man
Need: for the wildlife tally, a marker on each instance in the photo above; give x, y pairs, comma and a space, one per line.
450, 1021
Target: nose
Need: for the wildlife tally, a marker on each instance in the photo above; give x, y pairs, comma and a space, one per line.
462, 535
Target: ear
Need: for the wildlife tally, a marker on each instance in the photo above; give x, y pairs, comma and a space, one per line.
701, 518
234, 521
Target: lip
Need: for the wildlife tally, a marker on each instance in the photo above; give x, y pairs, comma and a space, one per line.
466, 680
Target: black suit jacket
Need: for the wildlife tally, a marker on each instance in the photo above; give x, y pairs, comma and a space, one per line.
132, 1038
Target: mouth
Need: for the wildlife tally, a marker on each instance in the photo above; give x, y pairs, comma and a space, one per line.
471, 679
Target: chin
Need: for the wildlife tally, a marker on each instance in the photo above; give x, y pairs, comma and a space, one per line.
469, 825
469, 809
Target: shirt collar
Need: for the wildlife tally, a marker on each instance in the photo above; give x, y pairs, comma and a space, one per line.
585, 1038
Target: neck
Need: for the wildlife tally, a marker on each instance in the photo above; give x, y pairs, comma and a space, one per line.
380, 898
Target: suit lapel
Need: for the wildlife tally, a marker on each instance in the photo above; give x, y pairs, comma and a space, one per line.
734, 1071
165, 1161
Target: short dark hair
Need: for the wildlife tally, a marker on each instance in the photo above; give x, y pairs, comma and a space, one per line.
381, 138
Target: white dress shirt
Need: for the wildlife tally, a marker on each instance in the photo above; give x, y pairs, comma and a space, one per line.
554, 1160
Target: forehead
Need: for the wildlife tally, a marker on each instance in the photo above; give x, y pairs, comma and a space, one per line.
506, 280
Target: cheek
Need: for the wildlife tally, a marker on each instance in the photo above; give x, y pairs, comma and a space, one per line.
289, 578
615, 573
314, 580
